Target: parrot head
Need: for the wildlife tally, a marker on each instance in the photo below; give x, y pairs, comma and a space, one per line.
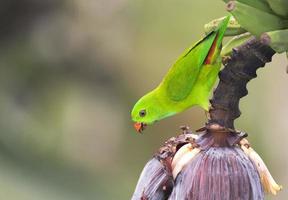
146, 111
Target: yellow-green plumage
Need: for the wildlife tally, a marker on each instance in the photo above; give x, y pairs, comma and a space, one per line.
187, 83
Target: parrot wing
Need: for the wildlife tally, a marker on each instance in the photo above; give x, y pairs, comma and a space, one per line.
180, 79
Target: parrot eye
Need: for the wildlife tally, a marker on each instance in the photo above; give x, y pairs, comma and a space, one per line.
142, 113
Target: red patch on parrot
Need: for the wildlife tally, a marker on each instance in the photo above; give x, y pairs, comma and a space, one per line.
210, 55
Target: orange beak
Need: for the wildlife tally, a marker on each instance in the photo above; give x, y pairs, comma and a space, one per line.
139, 126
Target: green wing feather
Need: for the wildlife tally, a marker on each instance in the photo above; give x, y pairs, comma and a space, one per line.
181, 77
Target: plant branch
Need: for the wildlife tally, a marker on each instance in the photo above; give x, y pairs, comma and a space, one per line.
238, 70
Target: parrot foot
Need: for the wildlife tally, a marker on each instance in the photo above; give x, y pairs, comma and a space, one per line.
225, 59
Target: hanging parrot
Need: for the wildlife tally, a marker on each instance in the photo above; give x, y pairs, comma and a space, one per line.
187, 83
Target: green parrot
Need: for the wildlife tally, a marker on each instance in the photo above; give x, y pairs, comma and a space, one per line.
187, 83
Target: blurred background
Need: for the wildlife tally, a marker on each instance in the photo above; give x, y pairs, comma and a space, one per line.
71, 72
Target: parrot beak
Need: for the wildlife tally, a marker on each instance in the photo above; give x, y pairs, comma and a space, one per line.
140, 126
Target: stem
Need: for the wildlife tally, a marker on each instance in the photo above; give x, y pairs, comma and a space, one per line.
238, 70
